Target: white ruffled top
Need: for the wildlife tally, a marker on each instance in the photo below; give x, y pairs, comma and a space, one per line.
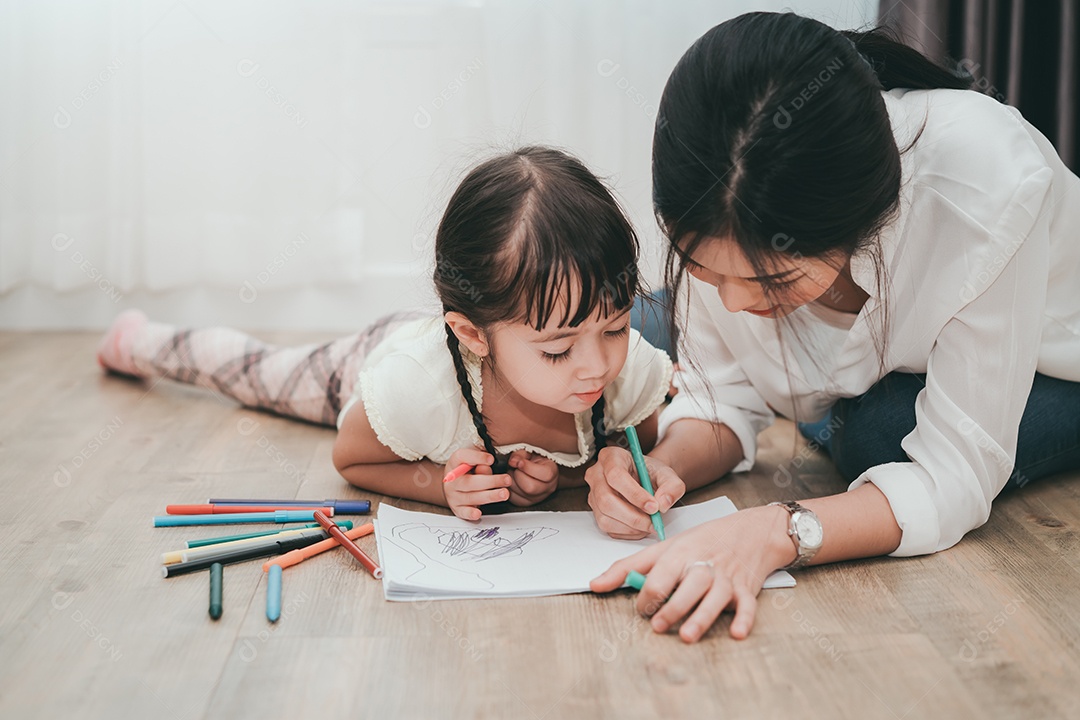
411, 395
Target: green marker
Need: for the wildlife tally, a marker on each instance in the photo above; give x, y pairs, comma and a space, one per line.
643, 477
215, 591
637, 581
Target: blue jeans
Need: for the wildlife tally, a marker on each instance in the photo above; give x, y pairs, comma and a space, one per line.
649, 317
865, 431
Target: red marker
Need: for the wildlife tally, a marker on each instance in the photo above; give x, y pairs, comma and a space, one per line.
345, 542
457, 472
210, 509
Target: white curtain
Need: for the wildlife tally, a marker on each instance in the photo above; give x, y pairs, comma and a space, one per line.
284, 165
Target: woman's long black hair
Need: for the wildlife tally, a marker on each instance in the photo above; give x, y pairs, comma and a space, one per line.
525, 234
772, 131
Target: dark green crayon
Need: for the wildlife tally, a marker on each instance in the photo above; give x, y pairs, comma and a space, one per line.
243, 554
215, 590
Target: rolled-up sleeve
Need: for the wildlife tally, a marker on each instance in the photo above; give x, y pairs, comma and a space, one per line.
712, 385
978, 378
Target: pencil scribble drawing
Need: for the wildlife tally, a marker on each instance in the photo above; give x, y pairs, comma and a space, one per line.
441, 550
484, 544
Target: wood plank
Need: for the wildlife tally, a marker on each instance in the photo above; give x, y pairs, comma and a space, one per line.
989, 629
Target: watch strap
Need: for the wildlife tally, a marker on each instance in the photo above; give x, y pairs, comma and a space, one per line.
802, 554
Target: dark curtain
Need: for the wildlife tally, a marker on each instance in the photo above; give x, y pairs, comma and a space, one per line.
1024, 53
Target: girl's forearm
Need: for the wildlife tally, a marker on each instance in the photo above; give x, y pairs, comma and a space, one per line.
574, 477
420, 480
698, 451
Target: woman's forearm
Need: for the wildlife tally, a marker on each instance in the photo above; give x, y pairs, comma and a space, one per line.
420, 480
698, 451
857, 524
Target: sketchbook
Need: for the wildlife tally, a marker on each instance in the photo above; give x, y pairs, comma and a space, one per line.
425, 556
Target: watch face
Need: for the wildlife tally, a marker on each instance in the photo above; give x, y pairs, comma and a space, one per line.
809, 529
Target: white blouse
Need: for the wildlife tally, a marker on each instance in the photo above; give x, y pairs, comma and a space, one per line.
983, 289
412, 398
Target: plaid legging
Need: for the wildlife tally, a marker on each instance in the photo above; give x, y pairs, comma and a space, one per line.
310, 382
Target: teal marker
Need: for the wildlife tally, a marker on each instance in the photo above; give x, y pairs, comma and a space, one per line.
345, 525
277, 516
643, 477
637, 581
273, 593
246, 536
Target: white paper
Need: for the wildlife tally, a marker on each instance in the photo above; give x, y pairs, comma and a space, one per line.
526, 554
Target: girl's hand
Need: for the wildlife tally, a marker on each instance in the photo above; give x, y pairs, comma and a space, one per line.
621, 506
465, 495
533, 478
718, 565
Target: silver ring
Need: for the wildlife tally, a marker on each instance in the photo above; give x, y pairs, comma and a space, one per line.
702, 563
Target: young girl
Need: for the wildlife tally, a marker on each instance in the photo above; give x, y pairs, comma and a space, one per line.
864, 236
530, 366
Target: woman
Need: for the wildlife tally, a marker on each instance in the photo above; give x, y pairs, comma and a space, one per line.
864, 235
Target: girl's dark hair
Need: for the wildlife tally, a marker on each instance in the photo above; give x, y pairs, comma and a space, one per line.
772, 131
528, 234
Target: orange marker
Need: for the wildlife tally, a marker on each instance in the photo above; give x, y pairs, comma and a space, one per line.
335, 532
210, 509
294, 556
457, 472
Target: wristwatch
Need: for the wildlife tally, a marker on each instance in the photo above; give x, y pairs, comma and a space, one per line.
805, 531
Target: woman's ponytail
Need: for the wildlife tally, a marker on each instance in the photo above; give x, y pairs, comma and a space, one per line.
899, 66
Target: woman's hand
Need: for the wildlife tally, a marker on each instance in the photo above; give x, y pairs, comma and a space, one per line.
533, 478
465, 495
621, 506
718, 565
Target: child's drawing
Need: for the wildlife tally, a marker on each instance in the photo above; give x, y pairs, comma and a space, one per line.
442, 553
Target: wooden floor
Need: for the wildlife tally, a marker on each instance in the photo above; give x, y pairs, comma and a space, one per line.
89, 628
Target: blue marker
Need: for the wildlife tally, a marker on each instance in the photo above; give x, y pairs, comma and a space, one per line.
341, 507
277, 516
273, 594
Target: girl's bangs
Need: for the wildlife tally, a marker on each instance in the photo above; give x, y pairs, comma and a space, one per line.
573, 287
